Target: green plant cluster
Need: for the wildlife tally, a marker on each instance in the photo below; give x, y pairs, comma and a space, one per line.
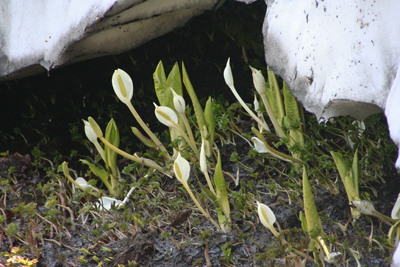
298, 156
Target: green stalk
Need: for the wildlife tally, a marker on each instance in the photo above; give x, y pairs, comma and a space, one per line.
66, 174
160, 146
280, 154
271, 115
145, 161
206, 214
209, 182
191, 144
276, 234
187, 126
179, 129
248, 110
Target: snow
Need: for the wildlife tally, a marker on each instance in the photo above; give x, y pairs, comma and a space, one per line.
38, 31
41, 35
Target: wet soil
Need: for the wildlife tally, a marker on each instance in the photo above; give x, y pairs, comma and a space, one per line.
191, 244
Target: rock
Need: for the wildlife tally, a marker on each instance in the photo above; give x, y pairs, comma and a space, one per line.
39, 36
337, 57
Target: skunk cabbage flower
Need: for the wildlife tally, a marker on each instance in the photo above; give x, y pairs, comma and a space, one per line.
363, 206
91, 135
360, 129
203, 159
182, 169
366, 207
333, 257
228, 74
396, 209
259, 114
82, 182
179, 102
260, 147
267, 217
396, 257
123, 86
108, 202
258, 81
166, 116
256, 104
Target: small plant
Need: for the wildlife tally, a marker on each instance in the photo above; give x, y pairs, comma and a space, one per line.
311, 222
228, 256
350, 177
286, 114
182, 171
267, 218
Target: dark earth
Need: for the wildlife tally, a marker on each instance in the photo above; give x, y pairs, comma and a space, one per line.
41, 123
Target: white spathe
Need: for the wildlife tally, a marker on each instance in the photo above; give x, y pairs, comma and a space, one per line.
338, 57
40, 35
396, 209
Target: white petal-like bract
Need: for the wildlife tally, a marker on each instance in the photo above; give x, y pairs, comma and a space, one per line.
119, 77
396, 209
166, 115
90, 134
108, 202
267, 217
179, 102
258, 81
181, 169
203, 159
228, 74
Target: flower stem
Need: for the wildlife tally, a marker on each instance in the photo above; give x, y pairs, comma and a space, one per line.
271, 115
206, 214
145, 161
185, 120
302, 254
160, 146
209, 182
66, 174
191, 143
254, 116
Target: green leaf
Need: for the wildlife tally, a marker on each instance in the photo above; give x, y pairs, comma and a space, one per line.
356, 172
11, 229
313, 220
341, 164
174, 82
394, 230
272, 151
210, 121
101, 173
292, 109
164, 94
346, 174
291, 104
220, 186
303, 222
209, 193
112, 136
274, 96
196, 104
143, 138
159, 82
222, 218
